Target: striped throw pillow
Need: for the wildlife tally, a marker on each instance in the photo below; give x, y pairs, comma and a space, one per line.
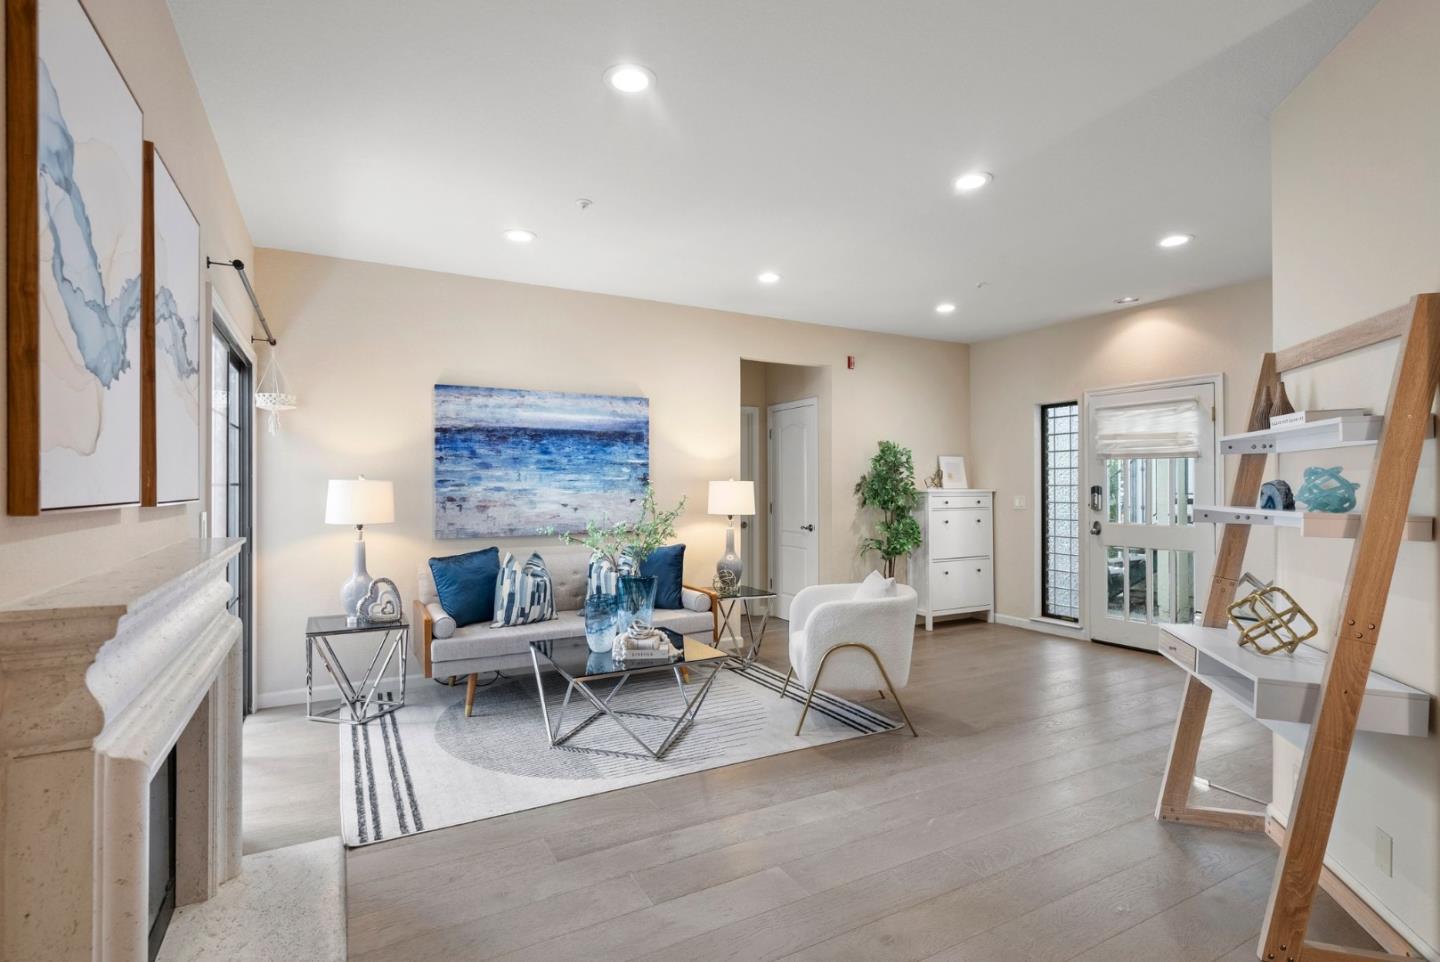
522, 592
602, 579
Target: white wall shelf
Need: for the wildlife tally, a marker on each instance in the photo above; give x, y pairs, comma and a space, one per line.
1311, 524
1338, 432
1282, 691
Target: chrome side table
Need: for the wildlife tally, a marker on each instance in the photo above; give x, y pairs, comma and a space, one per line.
368, 700
745, 597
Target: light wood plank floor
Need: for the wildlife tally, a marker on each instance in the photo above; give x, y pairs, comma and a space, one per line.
1017, 827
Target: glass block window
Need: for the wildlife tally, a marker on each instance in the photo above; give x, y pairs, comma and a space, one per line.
1060, 510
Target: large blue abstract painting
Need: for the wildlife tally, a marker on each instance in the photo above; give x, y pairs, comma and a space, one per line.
509, 463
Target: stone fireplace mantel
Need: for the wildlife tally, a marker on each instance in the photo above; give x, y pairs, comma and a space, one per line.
99, 680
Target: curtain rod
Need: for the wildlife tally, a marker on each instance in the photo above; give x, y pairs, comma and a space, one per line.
239, 267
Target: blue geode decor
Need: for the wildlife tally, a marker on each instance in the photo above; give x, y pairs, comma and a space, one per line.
1276, 496
1325, 490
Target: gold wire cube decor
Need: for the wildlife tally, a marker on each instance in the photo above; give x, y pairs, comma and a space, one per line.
1277, 618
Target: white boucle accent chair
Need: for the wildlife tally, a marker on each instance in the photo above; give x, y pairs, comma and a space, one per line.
856, 640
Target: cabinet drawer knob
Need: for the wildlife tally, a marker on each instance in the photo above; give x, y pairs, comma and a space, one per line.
947, 572
947, 520
978, 520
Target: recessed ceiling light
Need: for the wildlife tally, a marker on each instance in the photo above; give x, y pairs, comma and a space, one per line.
629, 78
1127, 299
945, 308
768, 277
1176, 240
972, 181
519, 236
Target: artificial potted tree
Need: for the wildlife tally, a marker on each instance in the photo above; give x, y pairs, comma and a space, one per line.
889, 488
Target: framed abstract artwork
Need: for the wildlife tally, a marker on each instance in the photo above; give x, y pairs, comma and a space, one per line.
74, 202
170, 438
509, 463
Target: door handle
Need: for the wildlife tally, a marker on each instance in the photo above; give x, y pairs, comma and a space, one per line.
807, 527
1094, 527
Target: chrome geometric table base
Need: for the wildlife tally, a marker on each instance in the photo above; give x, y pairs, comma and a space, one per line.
363, 702
560, 739
727, 608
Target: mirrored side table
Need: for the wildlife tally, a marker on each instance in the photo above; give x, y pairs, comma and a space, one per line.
748, 599
371, 698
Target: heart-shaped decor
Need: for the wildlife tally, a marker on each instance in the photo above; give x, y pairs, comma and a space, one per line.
381, 604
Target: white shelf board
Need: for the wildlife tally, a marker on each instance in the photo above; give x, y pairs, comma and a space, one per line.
1282, 690
1339, 432
1342, 432
1311, 524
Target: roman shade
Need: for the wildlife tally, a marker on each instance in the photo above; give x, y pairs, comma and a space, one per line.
1165, 429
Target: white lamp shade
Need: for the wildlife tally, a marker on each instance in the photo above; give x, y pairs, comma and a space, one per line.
732, 497
360, 502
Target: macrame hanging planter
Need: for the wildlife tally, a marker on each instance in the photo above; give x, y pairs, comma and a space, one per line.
273, 394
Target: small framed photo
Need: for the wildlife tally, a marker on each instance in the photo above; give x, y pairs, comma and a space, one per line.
952, 472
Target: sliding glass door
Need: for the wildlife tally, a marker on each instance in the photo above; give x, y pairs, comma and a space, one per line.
231, 475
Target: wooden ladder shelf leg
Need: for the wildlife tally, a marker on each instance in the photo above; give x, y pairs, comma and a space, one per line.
1174, 803
1372, 563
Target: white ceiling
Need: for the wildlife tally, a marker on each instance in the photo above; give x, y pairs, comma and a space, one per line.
817, 138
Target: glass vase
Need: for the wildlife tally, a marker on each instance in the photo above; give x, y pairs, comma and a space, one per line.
600, 622
637, 603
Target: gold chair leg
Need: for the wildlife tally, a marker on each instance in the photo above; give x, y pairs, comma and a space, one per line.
883, 674
470, 694
786, 687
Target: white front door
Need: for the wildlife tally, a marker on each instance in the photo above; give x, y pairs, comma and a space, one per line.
794, 499
1145, 555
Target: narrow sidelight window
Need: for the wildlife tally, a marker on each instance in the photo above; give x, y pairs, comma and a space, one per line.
1060, 510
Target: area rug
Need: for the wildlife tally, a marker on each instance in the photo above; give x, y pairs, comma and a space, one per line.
426, 766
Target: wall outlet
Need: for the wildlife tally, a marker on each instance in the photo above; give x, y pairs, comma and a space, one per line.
1019, 502
1384, 852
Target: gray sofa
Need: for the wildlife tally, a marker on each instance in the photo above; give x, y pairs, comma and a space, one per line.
448, 651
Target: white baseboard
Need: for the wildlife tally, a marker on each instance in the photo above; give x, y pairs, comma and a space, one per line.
329, 692
1430, 952
1043, 626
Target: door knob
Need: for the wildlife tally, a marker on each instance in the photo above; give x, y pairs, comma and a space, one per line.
807, 527
1094, 527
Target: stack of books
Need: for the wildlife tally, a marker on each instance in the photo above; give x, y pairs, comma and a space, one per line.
652, 645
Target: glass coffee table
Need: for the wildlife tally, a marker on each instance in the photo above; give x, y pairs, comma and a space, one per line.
581, 668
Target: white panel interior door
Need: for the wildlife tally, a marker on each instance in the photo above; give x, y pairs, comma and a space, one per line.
794, 499
1145, 557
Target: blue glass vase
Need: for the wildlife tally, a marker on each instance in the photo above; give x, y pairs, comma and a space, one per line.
600, 622
637, 603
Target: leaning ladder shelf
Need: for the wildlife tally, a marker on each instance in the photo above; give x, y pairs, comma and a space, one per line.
1341, 697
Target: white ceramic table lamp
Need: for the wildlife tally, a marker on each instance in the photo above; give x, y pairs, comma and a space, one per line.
731, 498
359, 502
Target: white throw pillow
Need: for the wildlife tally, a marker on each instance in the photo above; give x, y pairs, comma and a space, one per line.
875, 585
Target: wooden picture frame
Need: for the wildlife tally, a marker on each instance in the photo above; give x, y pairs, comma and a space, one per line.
73, 291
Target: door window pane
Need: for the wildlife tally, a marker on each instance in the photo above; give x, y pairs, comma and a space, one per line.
1060, 507
1115, 582
1138, 584
1157, 491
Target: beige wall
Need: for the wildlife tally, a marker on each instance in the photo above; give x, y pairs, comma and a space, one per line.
36, 553
1221, 331
1356, 215
364, 344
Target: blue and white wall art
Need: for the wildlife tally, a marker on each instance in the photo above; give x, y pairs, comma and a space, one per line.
177, 338
90, 222
509, 463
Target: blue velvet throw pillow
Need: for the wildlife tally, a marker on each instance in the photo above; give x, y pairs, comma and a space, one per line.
466, 585
667, 566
